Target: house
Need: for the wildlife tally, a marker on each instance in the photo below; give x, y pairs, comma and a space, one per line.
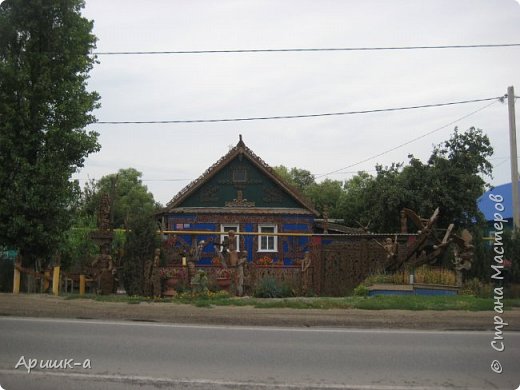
488, 207
240, 192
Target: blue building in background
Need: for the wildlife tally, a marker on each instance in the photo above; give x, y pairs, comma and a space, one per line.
487, 205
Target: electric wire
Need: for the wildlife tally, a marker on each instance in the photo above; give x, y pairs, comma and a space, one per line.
285, 50
410, 141
185, 121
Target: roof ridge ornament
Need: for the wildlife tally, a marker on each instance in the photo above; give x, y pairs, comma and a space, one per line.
241, 143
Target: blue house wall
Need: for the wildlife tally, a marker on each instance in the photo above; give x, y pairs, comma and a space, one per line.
289, 248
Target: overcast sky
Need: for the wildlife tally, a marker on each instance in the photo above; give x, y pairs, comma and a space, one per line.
214, 86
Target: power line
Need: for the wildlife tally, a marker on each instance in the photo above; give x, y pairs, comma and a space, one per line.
299, 116
143, 180
169, 52
409, 142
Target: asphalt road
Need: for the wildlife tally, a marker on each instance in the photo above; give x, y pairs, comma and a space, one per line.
128, 355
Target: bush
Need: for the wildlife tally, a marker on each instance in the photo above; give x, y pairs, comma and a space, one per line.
477, 288
269, 287
200, 283
6, 274
433, 275
400, 277
361, 291
139, 247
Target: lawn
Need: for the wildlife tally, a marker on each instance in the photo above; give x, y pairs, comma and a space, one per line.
460, 302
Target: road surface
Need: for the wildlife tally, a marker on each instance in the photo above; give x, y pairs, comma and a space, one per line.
127, 355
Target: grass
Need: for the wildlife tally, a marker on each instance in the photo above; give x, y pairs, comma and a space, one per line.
415, 302
459, 302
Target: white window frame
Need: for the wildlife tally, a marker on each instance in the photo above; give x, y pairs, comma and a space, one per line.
226, 227
274, 238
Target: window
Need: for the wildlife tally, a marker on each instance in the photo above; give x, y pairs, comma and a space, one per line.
227, 228
267, 243
239, 175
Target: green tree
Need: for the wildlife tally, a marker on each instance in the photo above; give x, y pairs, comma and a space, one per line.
129, 196
302, 179
77, 249
451, 179
140, 243
326, 196
45, 57
130, 199
352, 203
457, 170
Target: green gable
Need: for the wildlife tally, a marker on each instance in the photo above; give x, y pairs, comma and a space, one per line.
240, 180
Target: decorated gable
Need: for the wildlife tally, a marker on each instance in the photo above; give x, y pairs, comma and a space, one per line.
240, 179
240, 184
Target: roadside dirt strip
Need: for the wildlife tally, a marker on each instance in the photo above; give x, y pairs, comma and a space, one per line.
35, 305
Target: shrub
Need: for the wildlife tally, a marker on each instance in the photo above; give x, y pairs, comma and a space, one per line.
477, 288
200, 283
430, 275
361, 291
6, 274
395, 278
139, 247
269, 287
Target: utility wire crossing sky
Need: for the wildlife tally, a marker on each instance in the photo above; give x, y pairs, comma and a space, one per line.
350, 84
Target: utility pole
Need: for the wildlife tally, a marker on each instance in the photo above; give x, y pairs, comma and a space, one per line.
514, 158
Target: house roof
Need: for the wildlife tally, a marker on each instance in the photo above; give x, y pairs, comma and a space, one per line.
487, 206
337, 228
244, 152
240, 210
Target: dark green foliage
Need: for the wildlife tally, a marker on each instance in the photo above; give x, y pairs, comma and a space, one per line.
129, 196
6, 273
326, 196
45, 58
361, 291
477, 288
140, 244
77, 249
269, 287
450, 180
200, 283
299, 178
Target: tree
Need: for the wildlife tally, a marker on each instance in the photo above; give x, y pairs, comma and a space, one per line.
352, 203
326, 196
451, 179
129, 196
302, 179
457, 169
141, 241
130, 200
45, 57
